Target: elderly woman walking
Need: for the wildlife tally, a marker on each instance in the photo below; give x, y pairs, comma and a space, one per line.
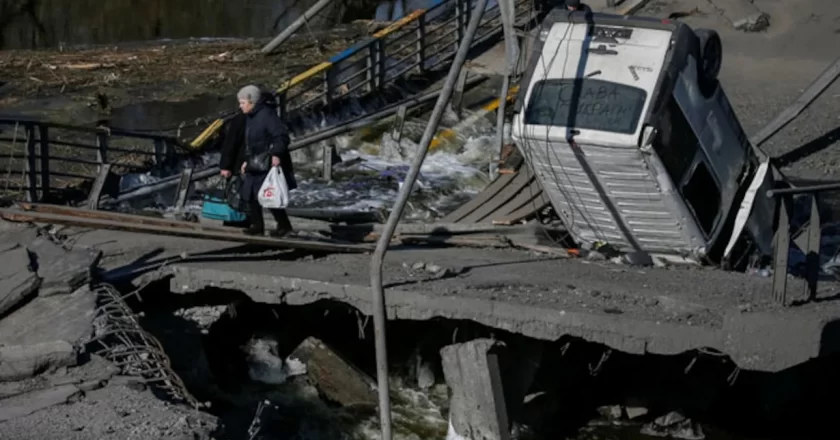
256, 141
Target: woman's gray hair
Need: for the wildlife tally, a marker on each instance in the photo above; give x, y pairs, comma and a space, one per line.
249, 93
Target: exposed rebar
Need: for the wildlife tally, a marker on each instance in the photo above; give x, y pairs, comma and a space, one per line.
379, 315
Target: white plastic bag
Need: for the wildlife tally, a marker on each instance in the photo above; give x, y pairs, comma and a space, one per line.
274, 193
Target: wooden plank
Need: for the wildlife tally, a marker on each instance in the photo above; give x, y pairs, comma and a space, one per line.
525, 212
528, 193
483, 197
519, 183
16, 215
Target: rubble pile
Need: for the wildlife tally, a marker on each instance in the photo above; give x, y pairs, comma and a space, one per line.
47, 314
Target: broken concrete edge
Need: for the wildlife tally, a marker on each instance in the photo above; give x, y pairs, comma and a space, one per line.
18, 362
743, 15
762, 341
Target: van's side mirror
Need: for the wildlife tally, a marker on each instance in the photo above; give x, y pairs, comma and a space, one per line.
646, 140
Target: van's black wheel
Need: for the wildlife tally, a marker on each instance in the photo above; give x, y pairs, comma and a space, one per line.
711, 53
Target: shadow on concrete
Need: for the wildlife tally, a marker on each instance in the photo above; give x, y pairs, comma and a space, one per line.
147, 263
815, 146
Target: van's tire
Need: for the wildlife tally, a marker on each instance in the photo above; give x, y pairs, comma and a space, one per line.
711, 53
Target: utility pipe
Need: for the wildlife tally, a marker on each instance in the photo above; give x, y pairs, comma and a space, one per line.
283, 36
379, 316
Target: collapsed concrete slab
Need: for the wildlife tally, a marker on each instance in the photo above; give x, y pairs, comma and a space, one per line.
62, 270
18, 362
67, 318
477, 408
18, 280
337, 379
768, 339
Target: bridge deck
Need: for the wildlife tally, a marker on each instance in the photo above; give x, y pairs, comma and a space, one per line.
656, 310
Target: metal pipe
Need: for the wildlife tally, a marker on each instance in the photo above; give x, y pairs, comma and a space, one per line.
379, 316
283, 36
813, 189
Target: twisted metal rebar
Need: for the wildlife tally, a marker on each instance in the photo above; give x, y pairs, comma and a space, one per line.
119, 338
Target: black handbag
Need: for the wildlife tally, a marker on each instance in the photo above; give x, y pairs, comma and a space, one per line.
258, 163
232, 193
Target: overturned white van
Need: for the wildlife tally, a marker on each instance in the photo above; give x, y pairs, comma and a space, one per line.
632, 137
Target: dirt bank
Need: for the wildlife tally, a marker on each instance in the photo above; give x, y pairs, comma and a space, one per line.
173, 71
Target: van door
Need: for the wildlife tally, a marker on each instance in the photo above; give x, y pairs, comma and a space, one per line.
682, 155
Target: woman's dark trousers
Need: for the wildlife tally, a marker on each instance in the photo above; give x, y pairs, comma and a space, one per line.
284, 225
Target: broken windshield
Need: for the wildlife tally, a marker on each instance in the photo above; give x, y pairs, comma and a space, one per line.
599, 105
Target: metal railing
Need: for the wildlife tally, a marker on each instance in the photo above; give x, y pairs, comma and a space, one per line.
419, 45
808, 239
39, 160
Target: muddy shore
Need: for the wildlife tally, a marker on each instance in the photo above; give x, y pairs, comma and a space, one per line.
65, 85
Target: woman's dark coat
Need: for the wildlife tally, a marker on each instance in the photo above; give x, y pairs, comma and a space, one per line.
255, 133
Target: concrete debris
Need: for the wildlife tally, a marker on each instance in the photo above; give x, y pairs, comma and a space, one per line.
266, 366
743, 15
23, 362
477, 408
425, 374
338, 380
634, 412
203, 316
611, 412
674, 425
62, 271
18, 282
56, 318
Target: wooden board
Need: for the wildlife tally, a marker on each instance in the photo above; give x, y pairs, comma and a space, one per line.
146, 225
509, 192
509, 199
483, 197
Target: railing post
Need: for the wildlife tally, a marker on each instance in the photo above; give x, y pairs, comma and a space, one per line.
399, 123
183, 190
370, 62
331, 157
44, 137
160, 155
781, 249
459, 23
812, 251
329, 86
457, 101
280, 98
421, 44
31, 164
102, 148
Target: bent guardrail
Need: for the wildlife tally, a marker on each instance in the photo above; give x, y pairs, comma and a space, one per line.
420, 44
39, 158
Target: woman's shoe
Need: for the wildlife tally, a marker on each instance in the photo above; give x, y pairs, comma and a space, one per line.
280, 232
251, 230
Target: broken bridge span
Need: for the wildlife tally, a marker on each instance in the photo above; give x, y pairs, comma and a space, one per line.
637, 310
